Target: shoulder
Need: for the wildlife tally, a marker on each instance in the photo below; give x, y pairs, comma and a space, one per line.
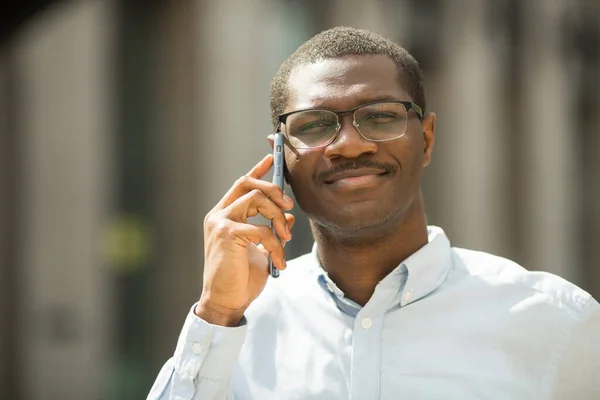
496, 270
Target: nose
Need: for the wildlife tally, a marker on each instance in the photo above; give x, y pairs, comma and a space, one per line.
349, 143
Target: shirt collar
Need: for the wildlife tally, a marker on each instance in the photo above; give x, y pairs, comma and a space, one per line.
416, 277
427, 267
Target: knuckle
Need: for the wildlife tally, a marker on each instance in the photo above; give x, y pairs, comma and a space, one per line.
278, 188
220, 227
255, 194
279, 217
274, 189
242, 181
208, 220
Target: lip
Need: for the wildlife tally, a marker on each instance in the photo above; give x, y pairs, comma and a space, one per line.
361, 175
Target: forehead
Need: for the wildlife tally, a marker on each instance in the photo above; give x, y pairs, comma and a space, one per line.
345, 82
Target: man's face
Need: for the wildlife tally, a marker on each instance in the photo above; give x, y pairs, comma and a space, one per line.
389, 173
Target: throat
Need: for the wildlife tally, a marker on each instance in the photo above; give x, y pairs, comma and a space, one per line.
355, 272
357, 265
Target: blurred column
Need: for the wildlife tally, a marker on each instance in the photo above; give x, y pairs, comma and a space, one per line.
233, 119
65, 118
4, 295
240, 48
551, 231
471, 156
592, 191
9, 359
585, 37
178, 275
214, 62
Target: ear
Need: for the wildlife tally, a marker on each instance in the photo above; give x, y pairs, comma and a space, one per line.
271, 139
428, 124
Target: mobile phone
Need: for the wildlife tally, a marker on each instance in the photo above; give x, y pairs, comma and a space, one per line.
278, 162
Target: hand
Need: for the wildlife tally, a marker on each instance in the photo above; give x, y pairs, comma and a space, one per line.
236, 252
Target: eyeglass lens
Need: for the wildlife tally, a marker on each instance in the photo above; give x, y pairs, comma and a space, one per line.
376, 122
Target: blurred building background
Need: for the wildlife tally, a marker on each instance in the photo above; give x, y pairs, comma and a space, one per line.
123, 122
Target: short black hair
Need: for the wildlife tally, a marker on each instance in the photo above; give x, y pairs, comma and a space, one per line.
341, 41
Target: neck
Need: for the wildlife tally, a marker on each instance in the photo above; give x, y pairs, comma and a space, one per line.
357, 261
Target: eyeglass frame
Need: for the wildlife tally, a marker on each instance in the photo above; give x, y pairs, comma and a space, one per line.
408, 105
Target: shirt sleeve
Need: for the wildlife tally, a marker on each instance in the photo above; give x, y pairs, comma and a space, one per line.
578, 372
203, 362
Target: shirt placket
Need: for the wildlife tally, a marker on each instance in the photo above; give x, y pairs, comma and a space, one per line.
366, 345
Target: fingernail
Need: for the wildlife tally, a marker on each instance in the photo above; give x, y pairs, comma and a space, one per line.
287, 199
288, 230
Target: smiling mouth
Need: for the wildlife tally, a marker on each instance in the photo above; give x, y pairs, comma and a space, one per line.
357, 176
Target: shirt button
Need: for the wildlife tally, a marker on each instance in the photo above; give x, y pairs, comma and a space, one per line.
190, 370
197, 348
366, 323
408, 295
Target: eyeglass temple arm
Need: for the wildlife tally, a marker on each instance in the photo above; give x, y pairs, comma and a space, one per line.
417, 109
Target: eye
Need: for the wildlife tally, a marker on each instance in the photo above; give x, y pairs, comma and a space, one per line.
381, 117
315, 125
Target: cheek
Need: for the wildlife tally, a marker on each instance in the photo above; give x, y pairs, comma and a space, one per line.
417, 135
301, 166
408, 153
415, 145
300, 163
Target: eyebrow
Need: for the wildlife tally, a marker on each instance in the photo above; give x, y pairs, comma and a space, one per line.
366, 100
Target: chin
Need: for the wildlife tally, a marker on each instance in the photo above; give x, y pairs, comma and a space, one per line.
353, 222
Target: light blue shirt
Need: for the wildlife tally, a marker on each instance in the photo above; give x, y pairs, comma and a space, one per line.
447, 323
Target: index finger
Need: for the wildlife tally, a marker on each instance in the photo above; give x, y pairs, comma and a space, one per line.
262, 168
251, 180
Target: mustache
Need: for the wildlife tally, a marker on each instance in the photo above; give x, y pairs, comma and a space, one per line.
386, 167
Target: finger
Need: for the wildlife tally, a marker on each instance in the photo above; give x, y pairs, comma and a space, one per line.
262, 168
246, 184
255, 202
258, 171
291, 220
261, 235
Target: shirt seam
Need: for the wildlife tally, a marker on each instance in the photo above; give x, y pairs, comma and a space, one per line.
184, 375
215, 380
581, 299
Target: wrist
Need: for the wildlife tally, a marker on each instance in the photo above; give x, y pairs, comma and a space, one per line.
216, 315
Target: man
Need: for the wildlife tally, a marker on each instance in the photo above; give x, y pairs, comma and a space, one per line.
383, 307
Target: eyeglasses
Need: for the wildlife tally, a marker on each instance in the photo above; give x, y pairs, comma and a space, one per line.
377, 122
